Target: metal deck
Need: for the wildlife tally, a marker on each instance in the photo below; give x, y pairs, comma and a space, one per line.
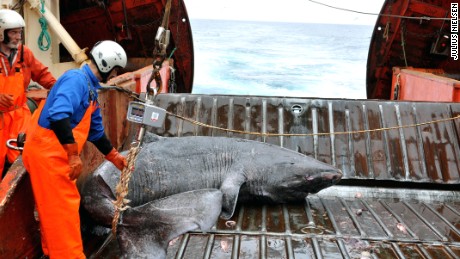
331, 227
351, 224
398, 197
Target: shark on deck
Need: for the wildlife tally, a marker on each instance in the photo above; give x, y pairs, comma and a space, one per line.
184, 183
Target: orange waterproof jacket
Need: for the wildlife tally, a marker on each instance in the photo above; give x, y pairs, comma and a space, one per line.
14, 80
33, 69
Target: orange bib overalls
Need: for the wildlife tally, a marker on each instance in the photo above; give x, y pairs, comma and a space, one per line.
14, 119
56, 196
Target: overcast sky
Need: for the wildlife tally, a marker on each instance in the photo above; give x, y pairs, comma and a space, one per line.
285, 11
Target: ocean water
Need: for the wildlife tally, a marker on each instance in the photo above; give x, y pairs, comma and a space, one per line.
280, 59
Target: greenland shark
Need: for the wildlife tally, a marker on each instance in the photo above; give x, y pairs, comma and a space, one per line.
185, 183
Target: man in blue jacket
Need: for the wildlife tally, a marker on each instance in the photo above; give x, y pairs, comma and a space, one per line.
59, 129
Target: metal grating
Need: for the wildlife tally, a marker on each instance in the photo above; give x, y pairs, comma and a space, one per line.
342, 226
331, 227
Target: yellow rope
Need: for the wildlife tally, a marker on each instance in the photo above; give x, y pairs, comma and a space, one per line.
122, 188
309, 134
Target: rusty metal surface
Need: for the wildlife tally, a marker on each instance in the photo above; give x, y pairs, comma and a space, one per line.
399, 198
91, 21
20, 234
399, 42
328, 227
399, 195
331, 227
426, 153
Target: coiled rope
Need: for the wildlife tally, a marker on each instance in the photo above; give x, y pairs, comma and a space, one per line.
44, 35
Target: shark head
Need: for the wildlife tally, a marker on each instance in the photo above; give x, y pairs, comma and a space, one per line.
320, 180
292, 176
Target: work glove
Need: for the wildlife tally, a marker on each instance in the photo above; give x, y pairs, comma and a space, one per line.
74, 160
6, 101
117, 159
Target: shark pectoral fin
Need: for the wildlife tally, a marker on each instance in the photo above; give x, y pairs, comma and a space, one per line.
230, 189
145, 231
104, 188
96, 200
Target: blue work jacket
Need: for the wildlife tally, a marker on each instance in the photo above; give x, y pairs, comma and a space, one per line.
70, 98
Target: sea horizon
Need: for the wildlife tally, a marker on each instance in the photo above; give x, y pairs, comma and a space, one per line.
266, 58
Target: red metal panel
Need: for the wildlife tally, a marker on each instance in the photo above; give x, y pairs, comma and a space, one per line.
20, 234
403, 41
91, 21
423, 85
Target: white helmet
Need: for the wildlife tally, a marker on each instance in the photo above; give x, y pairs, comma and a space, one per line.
9, 19
108, 55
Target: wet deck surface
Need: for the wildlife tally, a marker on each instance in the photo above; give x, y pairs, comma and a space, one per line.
341, 226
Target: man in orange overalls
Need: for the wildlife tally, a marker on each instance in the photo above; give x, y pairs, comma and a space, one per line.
59, 129
17, 67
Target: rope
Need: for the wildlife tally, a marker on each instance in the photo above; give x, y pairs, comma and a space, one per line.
386, 15
403, 42
311, 134
44, 35
289, 134
386, 31
172, 52
122, 188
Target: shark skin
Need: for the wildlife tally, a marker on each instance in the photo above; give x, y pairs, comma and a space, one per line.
196, 179
165, 219
145, 231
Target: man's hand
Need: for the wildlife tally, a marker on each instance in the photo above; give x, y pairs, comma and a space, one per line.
6, 101
117, 159
74, 160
